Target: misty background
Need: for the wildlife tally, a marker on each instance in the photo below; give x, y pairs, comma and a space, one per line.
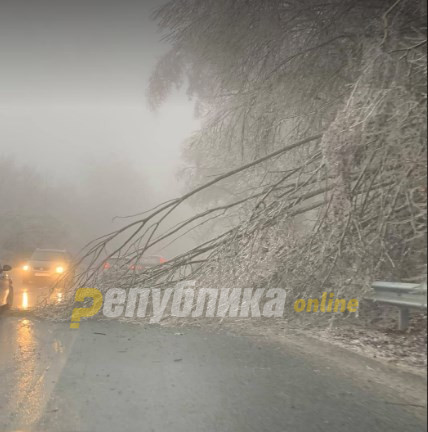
78, 142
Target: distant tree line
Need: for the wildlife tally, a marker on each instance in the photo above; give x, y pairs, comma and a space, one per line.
37, 211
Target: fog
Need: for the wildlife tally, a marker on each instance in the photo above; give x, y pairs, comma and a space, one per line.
75, 126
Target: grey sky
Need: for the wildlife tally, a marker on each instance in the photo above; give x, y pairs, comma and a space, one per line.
79, 51
73, 78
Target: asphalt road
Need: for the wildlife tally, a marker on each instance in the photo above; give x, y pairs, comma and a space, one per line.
110, 376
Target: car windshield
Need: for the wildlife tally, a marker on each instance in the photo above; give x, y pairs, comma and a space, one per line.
149, 261
44, 255
116, 261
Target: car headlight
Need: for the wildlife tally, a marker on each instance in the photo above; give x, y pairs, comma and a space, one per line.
26, 267
59, 270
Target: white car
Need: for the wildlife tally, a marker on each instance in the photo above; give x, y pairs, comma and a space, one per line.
47, 265
6, 287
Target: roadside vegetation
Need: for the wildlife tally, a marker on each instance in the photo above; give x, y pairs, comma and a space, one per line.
309, 170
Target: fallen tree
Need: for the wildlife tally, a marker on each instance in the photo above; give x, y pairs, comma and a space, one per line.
360, 177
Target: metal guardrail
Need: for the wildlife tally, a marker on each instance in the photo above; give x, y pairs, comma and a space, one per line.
405, 296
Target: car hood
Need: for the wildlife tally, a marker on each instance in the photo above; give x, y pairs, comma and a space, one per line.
46, 264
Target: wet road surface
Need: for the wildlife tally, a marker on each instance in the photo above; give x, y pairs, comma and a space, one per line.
111, 376
27, 296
